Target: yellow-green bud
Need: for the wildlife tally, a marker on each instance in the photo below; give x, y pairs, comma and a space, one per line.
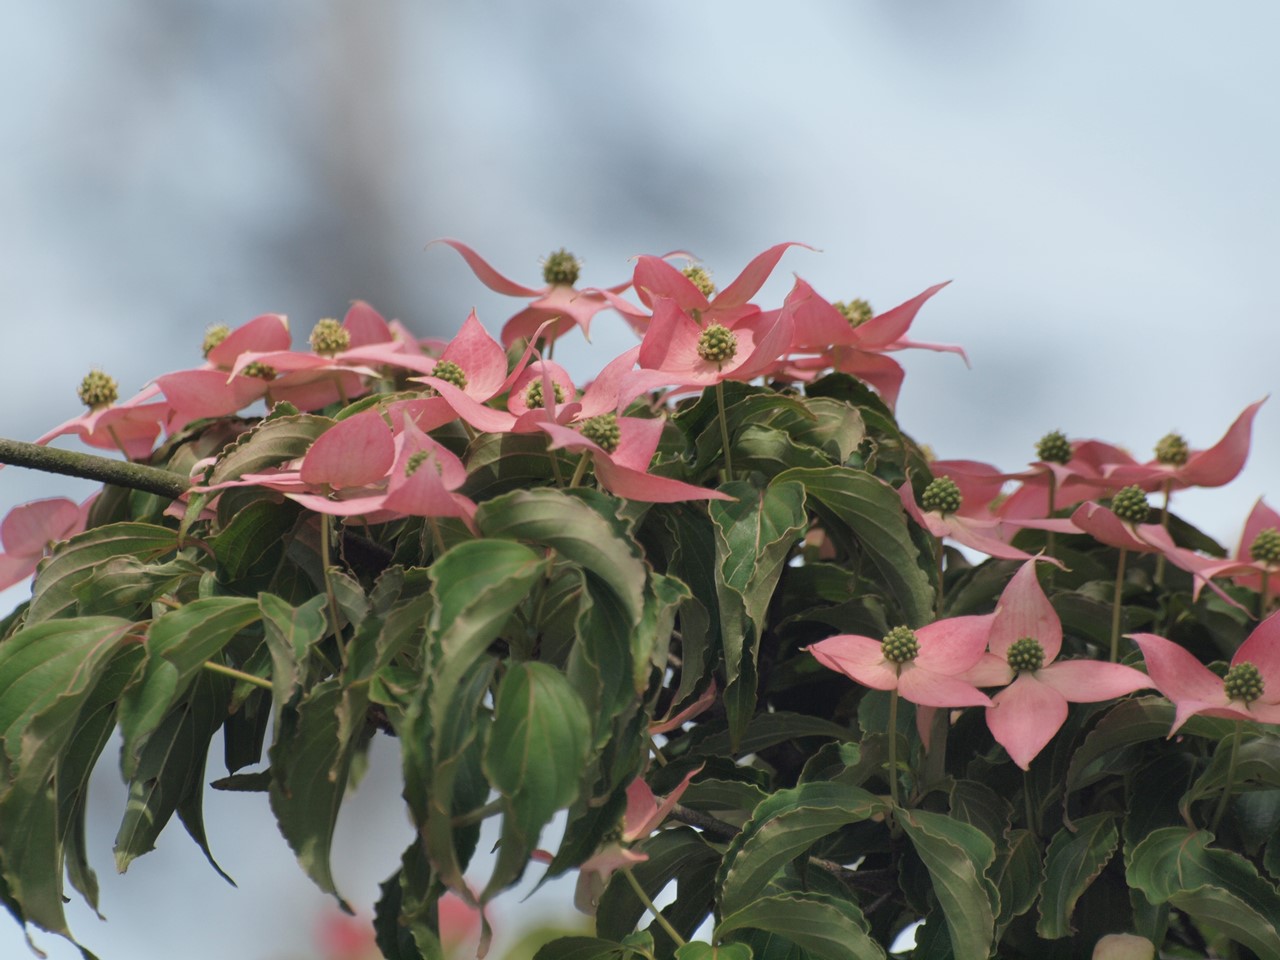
450, 372
415, 461
214, 336
943, 495
262, 371
1054, 447
717, 344
900, 645
700, 277
1243, 682
856, 312
1130, 505
1172, 450
1025, 655
1266, 546
603, 431
328, 337
561, 268
97, 390
533, 393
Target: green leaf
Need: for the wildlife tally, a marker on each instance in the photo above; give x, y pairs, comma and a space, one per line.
1257, 762
780, 829
705, 951
1017, 876
957, 857
48, 673
679, 854
1127, 723
499, 463
54, 592
828, 928
1072, 863
252, 545
1214, 886
291, 633
585, 948
754, 535
534, 757
271, 442
866, 512
309, 767
178, 645
125, 586
170, 772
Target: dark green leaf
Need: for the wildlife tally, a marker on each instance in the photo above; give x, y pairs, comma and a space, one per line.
271, 442
1073, 861
705, 951
957, 857
1017, 876
828, 928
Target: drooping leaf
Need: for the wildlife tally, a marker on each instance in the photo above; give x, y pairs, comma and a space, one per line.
780, 829
705, 951
290, 633
827, 928
957, 857
250, 547
866, 512
178, 644
271, 442
1017, 875
1072, 863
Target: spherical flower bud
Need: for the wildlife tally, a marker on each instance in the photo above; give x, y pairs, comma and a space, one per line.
1025, 654
1172, 450
717, 344
328, 337
603, 431
941, 495
1130, 505
450, 372
1266, 546
857, 312
560, 269
97, 390
262, 371
214, 336
1053, 447
533, 394
1243, 682
900, 645
700, 277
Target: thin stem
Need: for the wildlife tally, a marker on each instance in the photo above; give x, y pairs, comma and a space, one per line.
1115, 607
135, 476
555, 468
1231, 776
437, 541
893, 746
724, 431
1026, 799
580, 470
657, 753
328, 586
1164, 522
237, 674
648, 904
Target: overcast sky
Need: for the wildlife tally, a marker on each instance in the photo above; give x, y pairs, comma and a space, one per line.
1098, 180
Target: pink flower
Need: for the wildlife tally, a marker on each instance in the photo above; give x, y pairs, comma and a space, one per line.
1250, 690
644, 814
1080, 477
925, 666
1025, 639
957, 506
821, 328
1179, 467
28, 530
557, 301
130, 427
1257, 557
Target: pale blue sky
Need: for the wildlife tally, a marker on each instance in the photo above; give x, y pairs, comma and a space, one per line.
1098, 179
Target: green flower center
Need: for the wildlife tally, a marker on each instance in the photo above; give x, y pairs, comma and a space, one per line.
1130, 505
603, 431
328, 337
1054, 447
1243, 682
856, 312
1266, 546
900, 645
214, 336
533, 393
700, 278
415, 461
717, 344
560, 269
450, 372
1172, 450
1025, 655
942, 495
97, 390
262, 371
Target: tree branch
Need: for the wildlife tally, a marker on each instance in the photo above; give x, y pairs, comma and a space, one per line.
121, 473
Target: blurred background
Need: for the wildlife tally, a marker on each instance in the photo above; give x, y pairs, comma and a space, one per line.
1099, 181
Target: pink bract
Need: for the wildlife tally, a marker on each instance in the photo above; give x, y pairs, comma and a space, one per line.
29, 529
